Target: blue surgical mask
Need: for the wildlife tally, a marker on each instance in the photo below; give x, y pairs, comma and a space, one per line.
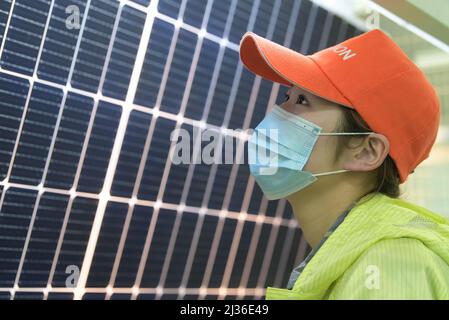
278, 150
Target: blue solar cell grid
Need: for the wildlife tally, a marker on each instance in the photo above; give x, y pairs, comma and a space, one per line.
90, 94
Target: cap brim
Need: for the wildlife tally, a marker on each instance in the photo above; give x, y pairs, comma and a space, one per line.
283, 65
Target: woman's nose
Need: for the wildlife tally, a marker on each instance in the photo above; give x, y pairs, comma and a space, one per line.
289, 106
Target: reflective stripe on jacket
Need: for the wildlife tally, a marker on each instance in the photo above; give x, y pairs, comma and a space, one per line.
384, 249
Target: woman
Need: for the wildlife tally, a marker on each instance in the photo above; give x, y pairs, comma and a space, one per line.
358, 118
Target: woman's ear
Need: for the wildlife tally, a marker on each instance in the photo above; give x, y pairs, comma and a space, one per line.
369, 155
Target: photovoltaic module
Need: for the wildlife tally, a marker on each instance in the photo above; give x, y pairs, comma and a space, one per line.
91, 206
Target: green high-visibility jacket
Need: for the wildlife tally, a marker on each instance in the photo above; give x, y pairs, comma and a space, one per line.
384, 249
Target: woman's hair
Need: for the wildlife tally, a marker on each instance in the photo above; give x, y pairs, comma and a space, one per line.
387, 174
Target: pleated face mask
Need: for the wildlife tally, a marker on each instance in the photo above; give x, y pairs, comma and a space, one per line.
278, 150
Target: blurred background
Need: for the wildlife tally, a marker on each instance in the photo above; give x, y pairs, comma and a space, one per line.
91, 206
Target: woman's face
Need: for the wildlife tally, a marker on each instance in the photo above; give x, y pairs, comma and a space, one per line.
325, 114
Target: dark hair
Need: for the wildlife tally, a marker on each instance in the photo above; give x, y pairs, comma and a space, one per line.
387, 174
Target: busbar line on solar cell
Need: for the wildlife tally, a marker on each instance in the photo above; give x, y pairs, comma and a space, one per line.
199, 223
212, 175
183, 198
135, 190
250, 184
224, 284
205, 113
342, 34
72, 192
2, 44
273, 232
48, 157
16, 143
165, 75
7, 177
248, 114
271, 244
310, 23
208, 188
145, 252
133, 201
248, 192
326, 31
228, 110
119, 253
160, 95
84, 148
283, 266
253, 246
302, 250
290, 260
246, 199
32, 80
148, 203
107, 60
175, 137
196, 142
103, 201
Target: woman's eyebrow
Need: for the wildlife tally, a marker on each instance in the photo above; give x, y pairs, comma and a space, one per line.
309, 96
305, 93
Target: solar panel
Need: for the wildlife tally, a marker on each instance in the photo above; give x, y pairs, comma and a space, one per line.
91, 206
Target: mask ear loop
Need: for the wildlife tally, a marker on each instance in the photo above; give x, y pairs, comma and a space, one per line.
329, 173
344, 133
338, 134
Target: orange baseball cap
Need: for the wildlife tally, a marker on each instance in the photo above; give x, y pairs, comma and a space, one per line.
369, 73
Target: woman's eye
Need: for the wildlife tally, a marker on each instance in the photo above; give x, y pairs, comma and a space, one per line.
301, 99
